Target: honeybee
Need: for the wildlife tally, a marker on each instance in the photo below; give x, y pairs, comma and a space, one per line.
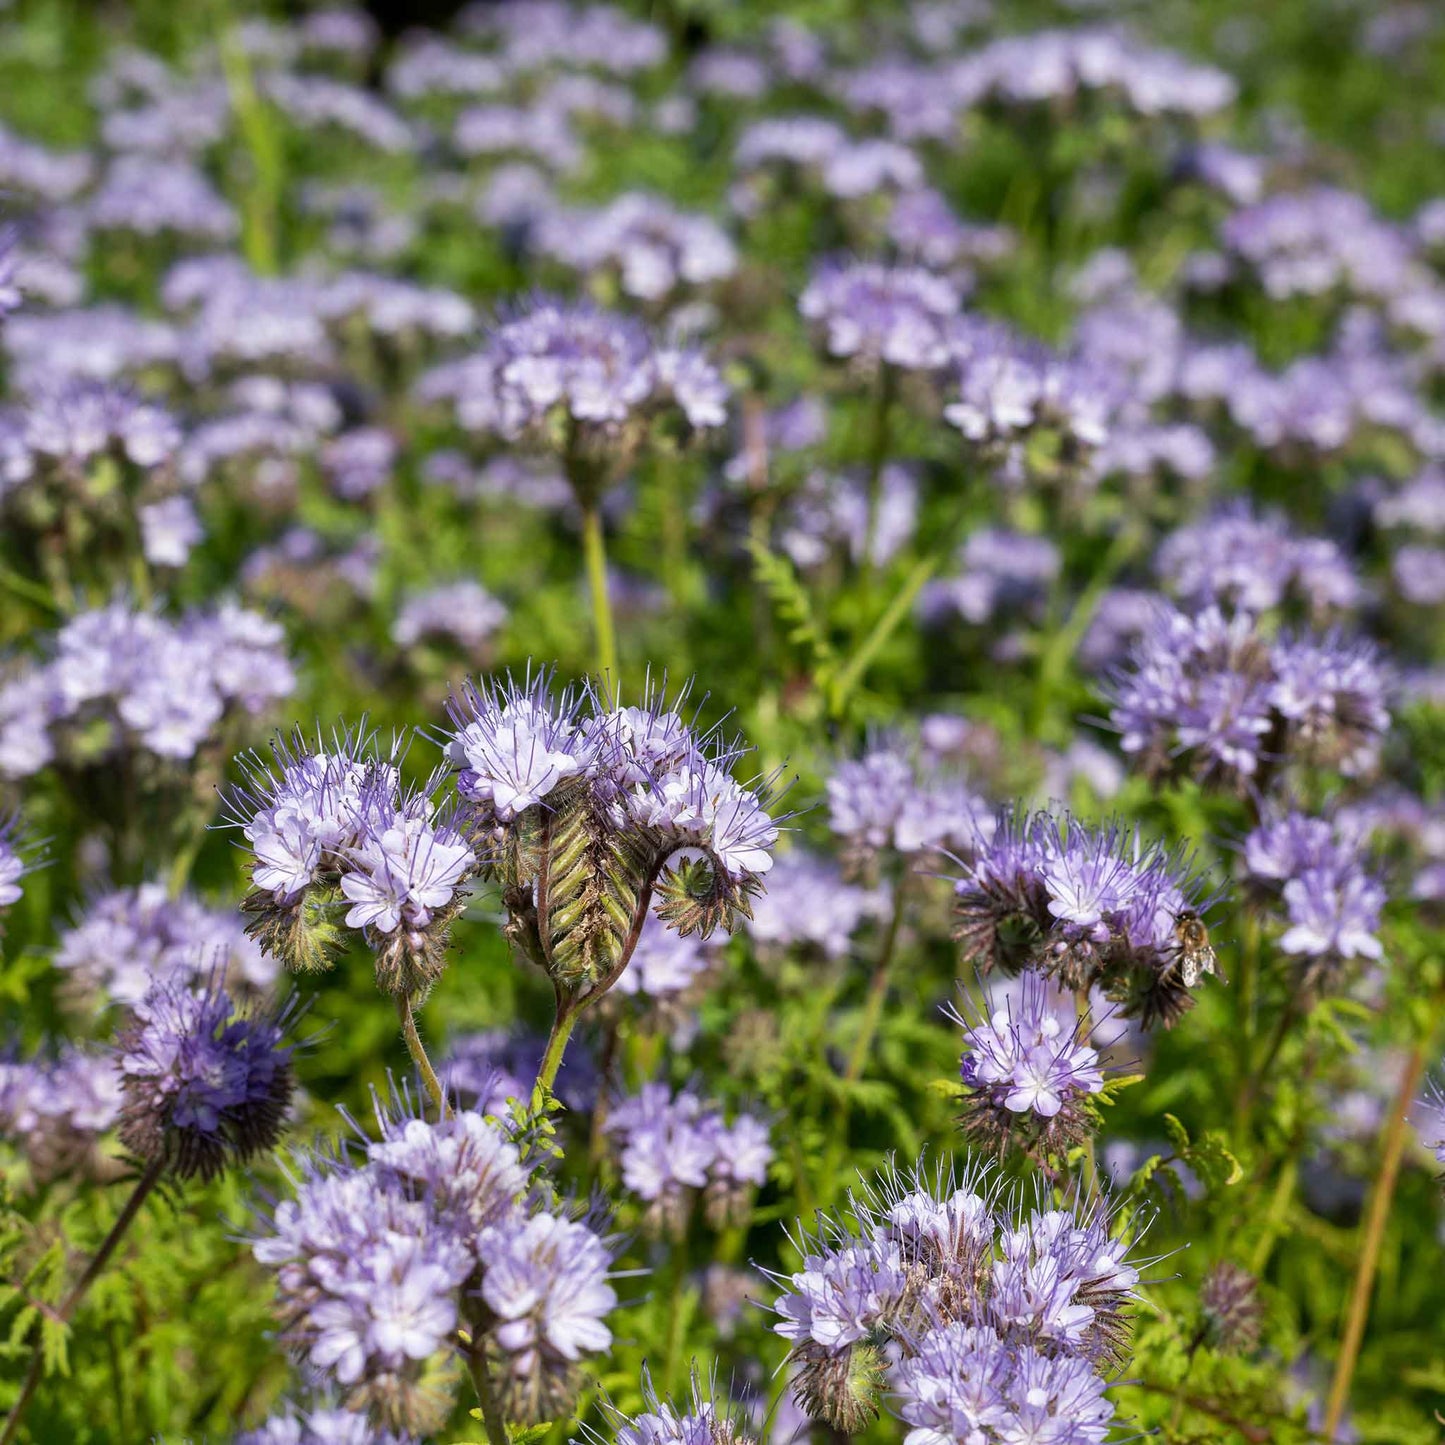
1196, 953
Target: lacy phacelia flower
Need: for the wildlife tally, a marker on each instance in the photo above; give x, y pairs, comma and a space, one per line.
546, 1299
1216, 697
203, 1083
673, 1147
581, 383
377, 1266
809, 905
136, 679
335, 827
127, 941
321, 1427
875, 315
920, 1255
1029, 1070
887, 801
705, 1422
56, 1109
13, 863
586, 810
1255, 564
1332, 901
1088, 907
967, 1386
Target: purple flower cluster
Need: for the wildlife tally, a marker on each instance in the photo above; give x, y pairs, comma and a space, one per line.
1086, 906
1218, 697
968, 1383
1255, 564
1009, 388
378, 1263
887, 801
918, 1262
874, 315
127, 941
202, 1082
56, 1109
810, 906
321, 1427
337, 827
463, 614
673, 1146
567, 376
655, 249
1029, 1070
121, 678
1317, 871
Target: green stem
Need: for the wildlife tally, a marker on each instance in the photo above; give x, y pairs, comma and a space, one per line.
1371, 1239
879, 441
1254, 1084
261, 206
562, 1026
78, 1290
877, 993
594, 548
417, 1050
882, 630
1276, 1214
496, 1426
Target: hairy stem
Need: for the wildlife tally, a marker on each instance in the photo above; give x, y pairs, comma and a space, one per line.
78, 1290
562, 1027
496, 1426
594, 548
415, 1048
1371, 1239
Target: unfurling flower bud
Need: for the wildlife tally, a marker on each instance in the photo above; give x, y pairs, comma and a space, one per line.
203, 1083
588, 810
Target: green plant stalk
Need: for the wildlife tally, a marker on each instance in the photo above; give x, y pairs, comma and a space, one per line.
880, 438
1371, 1239
263, 198
843, 685
496, 1426
562, 1026
594, 548
79, 1289
877, 994
417, 1050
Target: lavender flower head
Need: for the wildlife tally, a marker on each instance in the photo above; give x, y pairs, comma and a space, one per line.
585, 384
128, 940
1215, 696
672, 1147
1086, 906
888, 802
203, 1082
967, 1384
1235, 559
1332, 901
919, 1254
1029, 1070
809, 905
336, 827
14, 864
663, 1423
58, 1109
872, 315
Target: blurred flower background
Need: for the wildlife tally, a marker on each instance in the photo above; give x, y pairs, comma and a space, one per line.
722, 722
